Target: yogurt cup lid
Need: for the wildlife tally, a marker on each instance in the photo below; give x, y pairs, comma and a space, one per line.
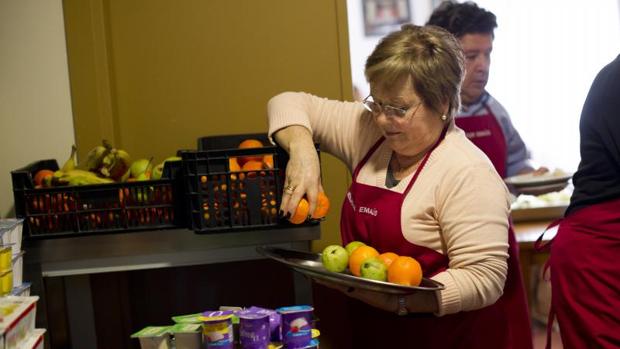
250, 315
294, 309
217, 315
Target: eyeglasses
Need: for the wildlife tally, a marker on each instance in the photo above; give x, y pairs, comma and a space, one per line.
376, 108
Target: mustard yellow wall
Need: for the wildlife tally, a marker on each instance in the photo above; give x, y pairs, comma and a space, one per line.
154, 75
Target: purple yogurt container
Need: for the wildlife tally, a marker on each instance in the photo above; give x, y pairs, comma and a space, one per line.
296, 326
274, 322
217, 329
254, 330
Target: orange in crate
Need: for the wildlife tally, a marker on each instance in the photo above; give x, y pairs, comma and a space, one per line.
247, 144
268, 162
406, 271
358, 257
252, 166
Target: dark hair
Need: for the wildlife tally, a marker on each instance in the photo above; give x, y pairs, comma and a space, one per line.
463, 18
429, 55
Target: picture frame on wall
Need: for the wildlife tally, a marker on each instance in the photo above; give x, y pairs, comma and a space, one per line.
384, 16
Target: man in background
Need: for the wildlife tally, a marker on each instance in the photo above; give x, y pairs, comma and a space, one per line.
484, 120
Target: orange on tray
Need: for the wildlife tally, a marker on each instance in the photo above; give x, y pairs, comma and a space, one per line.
358, 257
387, 258
406, 271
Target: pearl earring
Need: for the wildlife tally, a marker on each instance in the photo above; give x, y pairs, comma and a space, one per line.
443, 117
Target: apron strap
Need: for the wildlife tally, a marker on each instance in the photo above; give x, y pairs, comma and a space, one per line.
539, 246
550, 320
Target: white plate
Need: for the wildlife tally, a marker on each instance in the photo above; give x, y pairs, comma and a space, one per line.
546, 179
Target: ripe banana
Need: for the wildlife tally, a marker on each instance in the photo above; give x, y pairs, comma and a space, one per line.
78, 177
71, 162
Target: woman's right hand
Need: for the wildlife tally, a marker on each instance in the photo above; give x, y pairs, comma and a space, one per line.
303, 172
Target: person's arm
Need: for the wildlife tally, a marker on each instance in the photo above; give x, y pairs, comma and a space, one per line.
473, 212
518, 157
303, 171
296, 119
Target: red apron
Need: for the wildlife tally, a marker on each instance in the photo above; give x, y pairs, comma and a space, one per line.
486, 133
585, 277
372, 215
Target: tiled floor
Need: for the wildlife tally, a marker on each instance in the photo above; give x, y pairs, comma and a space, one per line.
540, 336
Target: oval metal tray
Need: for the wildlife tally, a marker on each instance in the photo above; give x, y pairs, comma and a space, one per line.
310, 264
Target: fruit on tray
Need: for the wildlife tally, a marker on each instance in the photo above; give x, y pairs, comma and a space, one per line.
335, 258
406, 271
351, 246
365, 261
359, 256
374, 269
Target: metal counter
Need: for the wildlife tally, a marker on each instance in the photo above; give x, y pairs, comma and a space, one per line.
77, 257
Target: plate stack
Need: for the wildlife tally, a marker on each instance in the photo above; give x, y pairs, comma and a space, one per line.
532, 184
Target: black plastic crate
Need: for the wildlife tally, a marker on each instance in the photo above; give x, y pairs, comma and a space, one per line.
65, 211
221, 199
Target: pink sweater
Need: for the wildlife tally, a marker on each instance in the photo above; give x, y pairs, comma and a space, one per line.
461, 205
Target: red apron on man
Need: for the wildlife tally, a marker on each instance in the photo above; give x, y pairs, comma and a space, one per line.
504, 324
486, 133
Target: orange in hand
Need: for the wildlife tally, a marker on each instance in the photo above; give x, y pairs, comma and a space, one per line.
358, 257
387, 258
322, 206
406, 271
301, 213
246, 144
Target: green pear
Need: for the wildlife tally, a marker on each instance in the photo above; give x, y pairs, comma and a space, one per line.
335, 258
351, 246
158, 170
374, 269
140, 166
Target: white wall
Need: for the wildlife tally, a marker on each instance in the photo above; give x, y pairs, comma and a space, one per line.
545, 55
35, 105
361, 46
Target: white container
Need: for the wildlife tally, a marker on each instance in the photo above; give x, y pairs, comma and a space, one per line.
18, 269
17, 322
22, 290
35, 341
154, 337
11, 233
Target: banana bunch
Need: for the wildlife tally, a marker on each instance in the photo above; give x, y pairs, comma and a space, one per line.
108, 162
78, 177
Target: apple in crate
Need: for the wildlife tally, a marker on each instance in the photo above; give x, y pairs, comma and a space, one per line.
373, 268
335, 258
